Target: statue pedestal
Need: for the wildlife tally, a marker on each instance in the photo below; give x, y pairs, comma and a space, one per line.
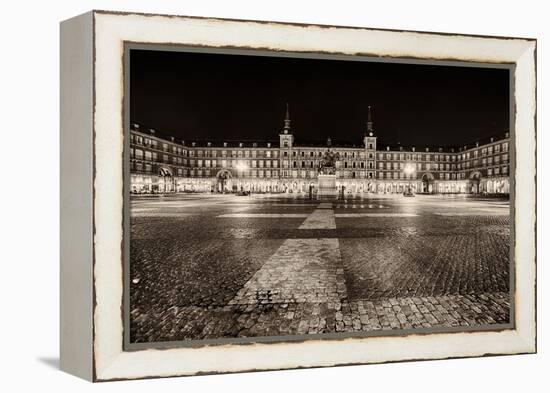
327, 187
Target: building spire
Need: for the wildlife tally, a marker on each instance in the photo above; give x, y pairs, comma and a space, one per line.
370, 128
287, 120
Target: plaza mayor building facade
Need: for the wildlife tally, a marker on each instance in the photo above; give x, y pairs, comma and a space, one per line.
162, 164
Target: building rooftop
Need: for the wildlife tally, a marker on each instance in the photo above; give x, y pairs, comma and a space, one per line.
329, 142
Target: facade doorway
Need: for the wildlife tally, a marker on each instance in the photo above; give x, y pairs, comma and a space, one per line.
475, 180
166, 181
427, 183
223, 178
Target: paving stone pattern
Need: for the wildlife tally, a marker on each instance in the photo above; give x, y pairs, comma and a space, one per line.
207, 267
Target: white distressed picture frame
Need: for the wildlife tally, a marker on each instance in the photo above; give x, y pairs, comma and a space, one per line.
92, 140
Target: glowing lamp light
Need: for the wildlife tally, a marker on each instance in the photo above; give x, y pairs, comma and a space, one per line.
409, 169
242, 167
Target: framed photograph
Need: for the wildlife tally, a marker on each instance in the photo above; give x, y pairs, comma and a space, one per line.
246, 195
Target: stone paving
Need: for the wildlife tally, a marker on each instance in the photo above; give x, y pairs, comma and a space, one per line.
211, 266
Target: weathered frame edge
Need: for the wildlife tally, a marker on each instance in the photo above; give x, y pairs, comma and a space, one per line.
76, 196
528, 343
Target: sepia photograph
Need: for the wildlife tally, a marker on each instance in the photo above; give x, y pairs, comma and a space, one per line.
279, 196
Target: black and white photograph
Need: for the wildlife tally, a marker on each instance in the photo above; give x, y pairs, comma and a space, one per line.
286, 197
273, 197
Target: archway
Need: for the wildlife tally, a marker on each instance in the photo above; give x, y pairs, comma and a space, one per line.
166, 180
222, 178
475, 179
427, 183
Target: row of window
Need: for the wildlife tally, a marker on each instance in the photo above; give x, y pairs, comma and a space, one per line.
418, 166
234, 163
197, 172
339, 164
484, 161
154, 144
273, 153
414, 176
305, 174
320, 153
416, 157
235, 153
485, 151
153, 156
442, 176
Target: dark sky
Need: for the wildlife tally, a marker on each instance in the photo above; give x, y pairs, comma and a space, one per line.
232, 97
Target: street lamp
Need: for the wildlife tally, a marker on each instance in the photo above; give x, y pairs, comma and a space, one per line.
241, 167
409, 170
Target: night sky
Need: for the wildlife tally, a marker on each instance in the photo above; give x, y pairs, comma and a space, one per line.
232, 97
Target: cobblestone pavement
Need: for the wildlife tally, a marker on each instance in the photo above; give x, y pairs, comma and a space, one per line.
215, 266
